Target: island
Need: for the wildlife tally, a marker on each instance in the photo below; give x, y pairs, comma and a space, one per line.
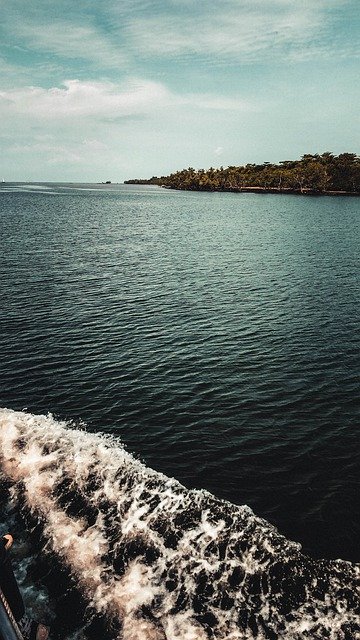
313, 174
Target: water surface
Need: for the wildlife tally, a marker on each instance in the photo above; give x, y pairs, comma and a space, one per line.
216, 334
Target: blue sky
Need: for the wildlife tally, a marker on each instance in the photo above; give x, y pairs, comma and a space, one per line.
114, 89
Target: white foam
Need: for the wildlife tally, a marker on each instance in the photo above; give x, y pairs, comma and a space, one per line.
179, 586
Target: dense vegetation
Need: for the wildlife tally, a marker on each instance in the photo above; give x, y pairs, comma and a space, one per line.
312, 174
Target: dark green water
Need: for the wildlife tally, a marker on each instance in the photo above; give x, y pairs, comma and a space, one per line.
216, 334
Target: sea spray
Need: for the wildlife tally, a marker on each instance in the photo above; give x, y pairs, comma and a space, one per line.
166, 562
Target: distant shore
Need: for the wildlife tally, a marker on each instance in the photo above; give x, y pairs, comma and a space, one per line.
313, 174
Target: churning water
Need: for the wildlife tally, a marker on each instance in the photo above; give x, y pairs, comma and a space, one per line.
216, 337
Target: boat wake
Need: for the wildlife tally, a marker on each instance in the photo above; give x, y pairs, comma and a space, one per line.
156, 561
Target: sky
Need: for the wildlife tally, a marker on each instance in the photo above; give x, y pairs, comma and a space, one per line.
100, 90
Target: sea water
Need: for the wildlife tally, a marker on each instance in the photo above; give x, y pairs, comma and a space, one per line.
215, 337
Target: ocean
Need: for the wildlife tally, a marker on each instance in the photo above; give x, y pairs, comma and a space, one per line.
179, 386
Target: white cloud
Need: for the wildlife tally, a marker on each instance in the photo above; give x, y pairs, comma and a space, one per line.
85, 99
73, 41
91, 99
218, 103
114, 33
11, 74
94, 145
244, 29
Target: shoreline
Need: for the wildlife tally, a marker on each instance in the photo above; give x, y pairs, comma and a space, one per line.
249, 189
262, 190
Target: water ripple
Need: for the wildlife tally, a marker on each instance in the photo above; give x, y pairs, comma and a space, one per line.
218, 336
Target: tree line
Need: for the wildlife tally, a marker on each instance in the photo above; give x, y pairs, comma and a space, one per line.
313, 173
